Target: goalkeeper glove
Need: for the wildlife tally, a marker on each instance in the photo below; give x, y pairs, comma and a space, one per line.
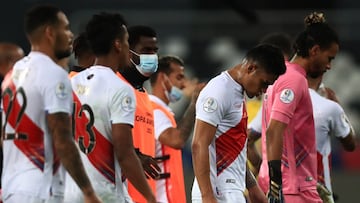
275, 194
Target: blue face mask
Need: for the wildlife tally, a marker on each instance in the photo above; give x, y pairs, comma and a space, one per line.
148, 63
174, 95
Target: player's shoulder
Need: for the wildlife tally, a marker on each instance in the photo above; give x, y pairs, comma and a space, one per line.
218, 86
328, 106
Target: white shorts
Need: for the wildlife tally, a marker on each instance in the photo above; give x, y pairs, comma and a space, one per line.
16, 198
227, 197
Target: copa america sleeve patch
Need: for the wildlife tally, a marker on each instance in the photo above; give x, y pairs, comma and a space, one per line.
127, 104
287, 96
210, 105
61, 91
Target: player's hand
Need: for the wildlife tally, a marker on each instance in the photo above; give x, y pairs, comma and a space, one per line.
330, 94
190, 85
196, 92
210, 199
151, 199
256, 195
150, 166
92, 198
324, 193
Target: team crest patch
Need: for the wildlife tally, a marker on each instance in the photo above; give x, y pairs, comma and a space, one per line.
61, 91
127, 104
210, 105
287, 96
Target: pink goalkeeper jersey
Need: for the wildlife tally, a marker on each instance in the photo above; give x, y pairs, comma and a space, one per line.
288, 101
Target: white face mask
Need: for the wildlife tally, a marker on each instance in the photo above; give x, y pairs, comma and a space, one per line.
148, 63
174, 95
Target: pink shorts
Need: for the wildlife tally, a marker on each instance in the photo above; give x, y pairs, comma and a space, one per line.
307, 196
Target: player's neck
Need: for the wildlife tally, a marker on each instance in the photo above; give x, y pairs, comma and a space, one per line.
133, 76
107, 62
159, 92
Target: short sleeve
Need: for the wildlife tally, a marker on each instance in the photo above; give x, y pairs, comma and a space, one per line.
56, 91
287, 95
161, 123
340, 124
122, 106
210, 105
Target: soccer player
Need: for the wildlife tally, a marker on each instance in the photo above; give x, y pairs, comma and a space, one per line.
144, 62
104, 114
330, 120
167, 85
288, 170
219, 142
37, 104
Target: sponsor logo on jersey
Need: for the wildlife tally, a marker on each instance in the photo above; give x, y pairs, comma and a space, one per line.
210, 105
287, 96
230, 181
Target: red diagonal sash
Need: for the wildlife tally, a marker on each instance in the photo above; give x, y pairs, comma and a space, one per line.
33, 145
230, 143
97, 148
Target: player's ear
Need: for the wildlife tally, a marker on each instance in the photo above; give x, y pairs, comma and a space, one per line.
251, 68
314, 50
118, 45
49, 33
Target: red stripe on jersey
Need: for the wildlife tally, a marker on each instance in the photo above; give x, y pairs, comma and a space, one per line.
231, 143
320, 168
101, 153
33, 145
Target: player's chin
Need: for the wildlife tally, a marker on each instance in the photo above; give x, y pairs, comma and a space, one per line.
250, 95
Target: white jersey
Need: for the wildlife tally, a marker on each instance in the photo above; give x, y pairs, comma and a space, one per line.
39, 87
101, 99
330, 120
221, 104
161, 123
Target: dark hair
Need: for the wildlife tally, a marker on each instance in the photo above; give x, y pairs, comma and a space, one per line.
81, 45
268, 57
102, 30
317, 32
280, 40
164, 66
135, 32
40, 15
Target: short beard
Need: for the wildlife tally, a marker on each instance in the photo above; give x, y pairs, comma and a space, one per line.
62, 54
314, 75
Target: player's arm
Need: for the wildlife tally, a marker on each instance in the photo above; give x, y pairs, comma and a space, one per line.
59, 125
253, 154
203, 136
274, 146
349, 142
255, 193
177, 137
128, 160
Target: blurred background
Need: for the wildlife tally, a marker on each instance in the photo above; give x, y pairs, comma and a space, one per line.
213, 35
